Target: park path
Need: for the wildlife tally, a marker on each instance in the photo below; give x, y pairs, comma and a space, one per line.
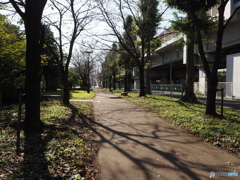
138, 145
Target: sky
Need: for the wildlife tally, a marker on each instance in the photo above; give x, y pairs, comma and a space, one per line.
96, 27
102, 28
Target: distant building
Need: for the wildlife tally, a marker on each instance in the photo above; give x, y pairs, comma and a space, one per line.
168, 61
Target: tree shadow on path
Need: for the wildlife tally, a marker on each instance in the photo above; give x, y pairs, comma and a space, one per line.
141, 163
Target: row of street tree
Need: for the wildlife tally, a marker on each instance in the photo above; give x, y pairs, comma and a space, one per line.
197, 26
138, 40
44, 52
135, 40
140, 20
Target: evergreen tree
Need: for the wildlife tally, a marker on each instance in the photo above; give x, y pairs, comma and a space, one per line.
125, 60
12, 62
50, 58
185, 26
112, 65
149, 21
194, 8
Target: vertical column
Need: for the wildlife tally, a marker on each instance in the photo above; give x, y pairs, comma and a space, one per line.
229, 76
202, 81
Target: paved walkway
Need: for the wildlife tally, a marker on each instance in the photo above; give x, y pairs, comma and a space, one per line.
138, 145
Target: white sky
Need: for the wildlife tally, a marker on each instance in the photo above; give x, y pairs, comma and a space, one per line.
96, 27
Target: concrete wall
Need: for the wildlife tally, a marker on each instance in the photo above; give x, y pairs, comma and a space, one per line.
232, 32
166, 55
169, 52
233, 74
202, 81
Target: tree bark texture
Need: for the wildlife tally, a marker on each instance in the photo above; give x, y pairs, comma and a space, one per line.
148, 81
65, 91
32, 20
212, 78
212, 83
110, 82
126, 81
141, 71
0, 95
114, 80
142, 80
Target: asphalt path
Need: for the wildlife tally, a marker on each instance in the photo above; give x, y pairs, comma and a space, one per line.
136, 144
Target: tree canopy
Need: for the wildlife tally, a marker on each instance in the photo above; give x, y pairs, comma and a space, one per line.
12, 59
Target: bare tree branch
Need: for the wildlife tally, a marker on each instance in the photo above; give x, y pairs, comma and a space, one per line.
16, 4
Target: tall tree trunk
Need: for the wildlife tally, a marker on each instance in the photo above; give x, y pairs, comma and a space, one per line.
103, 84
32, 22
110, 82
0, 94
126, 81
129, 80
65, 92
65, 95
212, 83
142, 80
141, 71
148, 82
212, 78
114, 80
189, 95
32, 86
65, 85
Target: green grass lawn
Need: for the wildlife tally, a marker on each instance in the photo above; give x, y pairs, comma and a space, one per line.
74, 94
64, 150
223, 133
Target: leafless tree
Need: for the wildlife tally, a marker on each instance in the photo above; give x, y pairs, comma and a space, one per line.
84, 63
117, 11
72, 18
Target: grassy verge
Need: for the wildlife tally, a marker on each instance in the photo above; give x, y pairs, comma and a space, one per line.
74, 94
64, 150
223, 133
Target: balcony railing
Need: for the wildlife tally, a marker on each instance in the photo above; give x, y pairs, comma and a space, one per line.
167, 87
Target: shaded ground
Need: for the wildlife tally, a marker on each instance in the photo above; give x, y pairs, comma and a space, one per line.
137, 144
64, 150
235, 104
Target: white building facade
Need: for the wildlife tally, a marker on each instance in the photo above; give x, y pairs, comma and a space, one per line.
168, 62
